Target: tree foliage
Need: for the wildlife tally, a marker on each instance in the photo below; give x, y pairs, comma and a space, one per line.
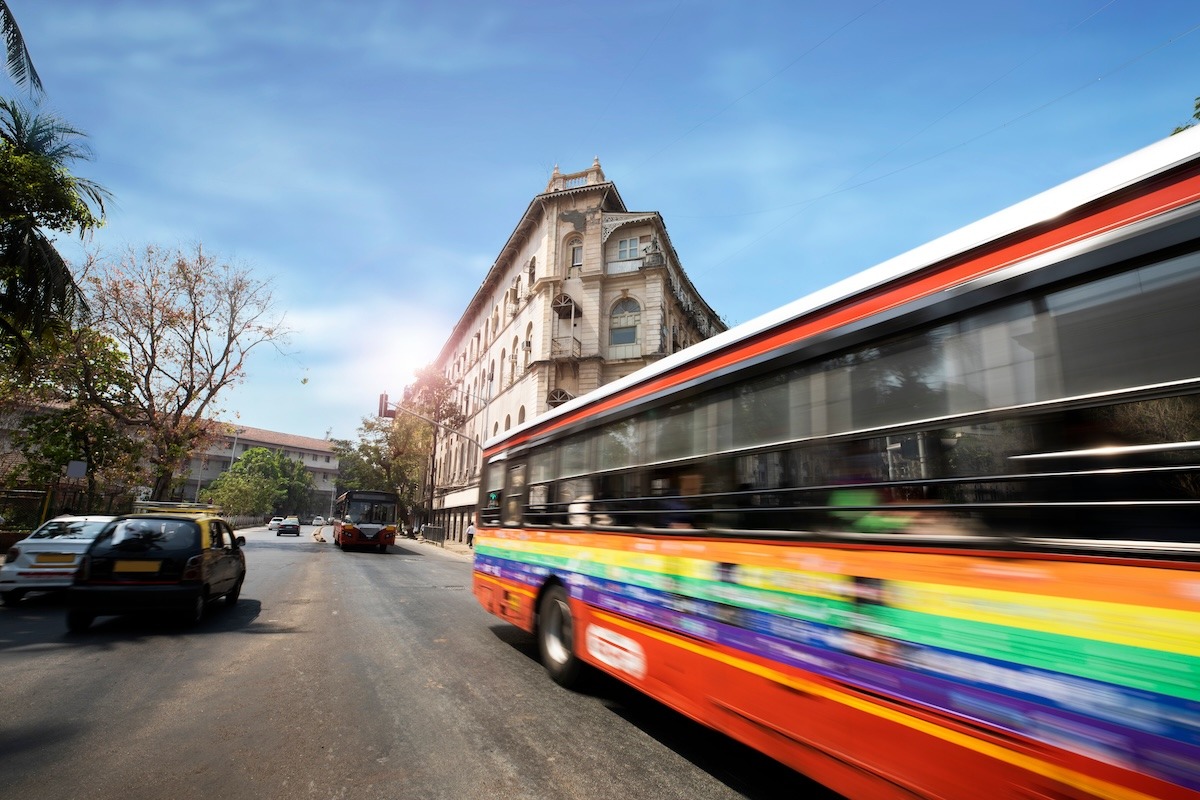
59, 425
1193, 121
289, 481
389, 455
184, 324
38, 195
241, 493
20, 64
432, 395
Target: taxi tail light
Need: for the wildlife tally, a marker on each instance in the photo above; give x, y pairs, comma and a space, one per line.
193, 570
12, 554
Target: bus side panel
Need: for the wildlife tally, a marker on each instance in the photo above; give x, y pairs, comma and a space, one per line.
858, 744
509, 593
932, 668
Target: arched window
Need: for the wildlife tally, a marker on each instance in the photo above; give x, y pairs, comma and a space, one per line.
503, 359
507, 421
623, 323
528, 347
521, 416
574, 255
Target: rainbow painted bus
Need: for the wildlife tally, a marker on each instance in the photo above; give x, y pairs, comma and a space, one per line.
931, 532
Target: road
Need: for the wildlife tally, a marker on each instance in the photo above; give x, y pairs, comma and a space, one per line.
338, 675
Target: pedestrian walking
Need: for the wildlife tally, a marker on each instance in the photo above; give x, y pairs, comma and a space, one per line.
471, 534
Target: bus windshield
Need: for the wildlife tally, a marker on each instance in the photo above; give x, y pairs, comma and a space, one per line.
365, 512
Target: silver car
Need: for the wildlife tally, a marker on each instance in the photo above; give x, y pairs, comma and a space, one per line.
46, 560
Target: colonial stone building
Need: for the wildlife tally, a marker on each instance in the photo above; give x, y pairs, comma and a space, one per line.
584, 292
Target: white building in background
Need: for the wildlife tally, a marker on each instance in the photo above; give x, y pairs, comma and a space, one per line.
316, 455
584, 292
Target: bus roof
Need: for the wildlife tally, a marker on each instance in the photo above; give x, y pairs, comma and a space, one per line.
1155, 159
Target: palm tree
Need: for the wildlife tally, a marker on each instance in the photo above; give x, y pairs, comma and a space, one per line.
20, 65
38, 194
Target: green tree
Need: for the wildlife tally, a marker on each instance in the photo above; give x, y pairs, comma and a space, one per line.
389, 456
39, 196
185, 324
20, 64
1190, 123
242, 493
58, 425
48, 442
432, 395
289, 480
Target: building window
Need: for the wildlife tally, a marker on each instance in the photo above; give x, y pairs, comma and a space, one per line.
623, 327
627, 249
575, 255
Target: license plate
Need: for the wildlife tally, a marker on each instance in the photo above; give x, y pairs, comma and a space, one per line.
136, 566
55, 558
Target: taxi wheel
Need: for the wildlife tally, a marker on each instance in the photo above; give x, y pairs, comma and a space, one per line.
78, 621
556, 638
383, 548
12, 597
196, 613
234, 593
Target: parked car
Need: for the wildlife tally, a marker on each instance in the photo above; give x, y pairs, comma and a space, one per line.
170, 561
290, 525
318, 520
46, 559
273, 525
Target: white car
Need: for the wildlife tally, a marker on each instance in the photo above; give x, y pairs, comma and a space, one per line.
46, 560
318, 520
273, 525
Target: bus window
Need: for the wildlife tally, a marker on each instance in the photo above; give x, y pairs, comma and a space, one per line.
514, 494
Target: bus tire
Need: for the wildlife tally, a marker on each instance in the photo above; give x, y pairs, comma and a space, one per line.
556, 637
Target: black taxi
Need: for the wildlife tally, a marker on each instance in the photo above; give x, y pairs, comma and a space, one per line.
164, 558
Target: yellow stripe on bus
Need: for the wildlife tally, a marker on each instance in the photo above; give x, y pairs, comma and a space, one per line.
1133, 625
1094, 786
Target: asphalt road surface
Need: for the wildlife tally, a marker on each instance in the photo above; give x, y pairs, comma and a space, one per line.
338, 675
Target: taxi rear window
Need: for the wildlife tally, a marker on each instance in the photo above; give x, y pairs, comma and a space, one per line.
148, 535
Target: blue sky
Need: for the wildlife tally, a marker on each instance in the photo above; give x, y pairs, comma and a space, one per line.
371, 157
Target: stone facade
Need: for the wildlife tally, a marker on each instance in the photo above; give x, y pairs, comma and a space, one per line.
583, 292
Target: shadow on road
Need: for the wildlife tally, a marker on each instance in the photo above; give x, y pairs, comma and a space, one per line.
741, 768
42, 619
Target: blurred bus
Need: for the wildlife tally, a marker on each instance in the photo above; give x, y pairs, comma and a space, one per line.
364, 518
930, 532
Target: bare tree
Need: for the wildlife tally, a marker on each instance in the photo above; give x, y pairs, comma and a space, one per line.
186, 323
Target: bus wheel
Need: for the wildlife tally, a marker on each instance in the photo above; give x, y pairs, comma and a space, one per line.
556, 637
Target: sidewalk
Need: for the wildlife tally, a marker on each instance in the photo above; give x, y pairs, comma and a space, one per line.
458, 548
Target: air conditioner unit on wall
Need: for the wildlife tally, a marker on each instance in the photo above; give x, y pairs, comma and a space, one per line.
527, 345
